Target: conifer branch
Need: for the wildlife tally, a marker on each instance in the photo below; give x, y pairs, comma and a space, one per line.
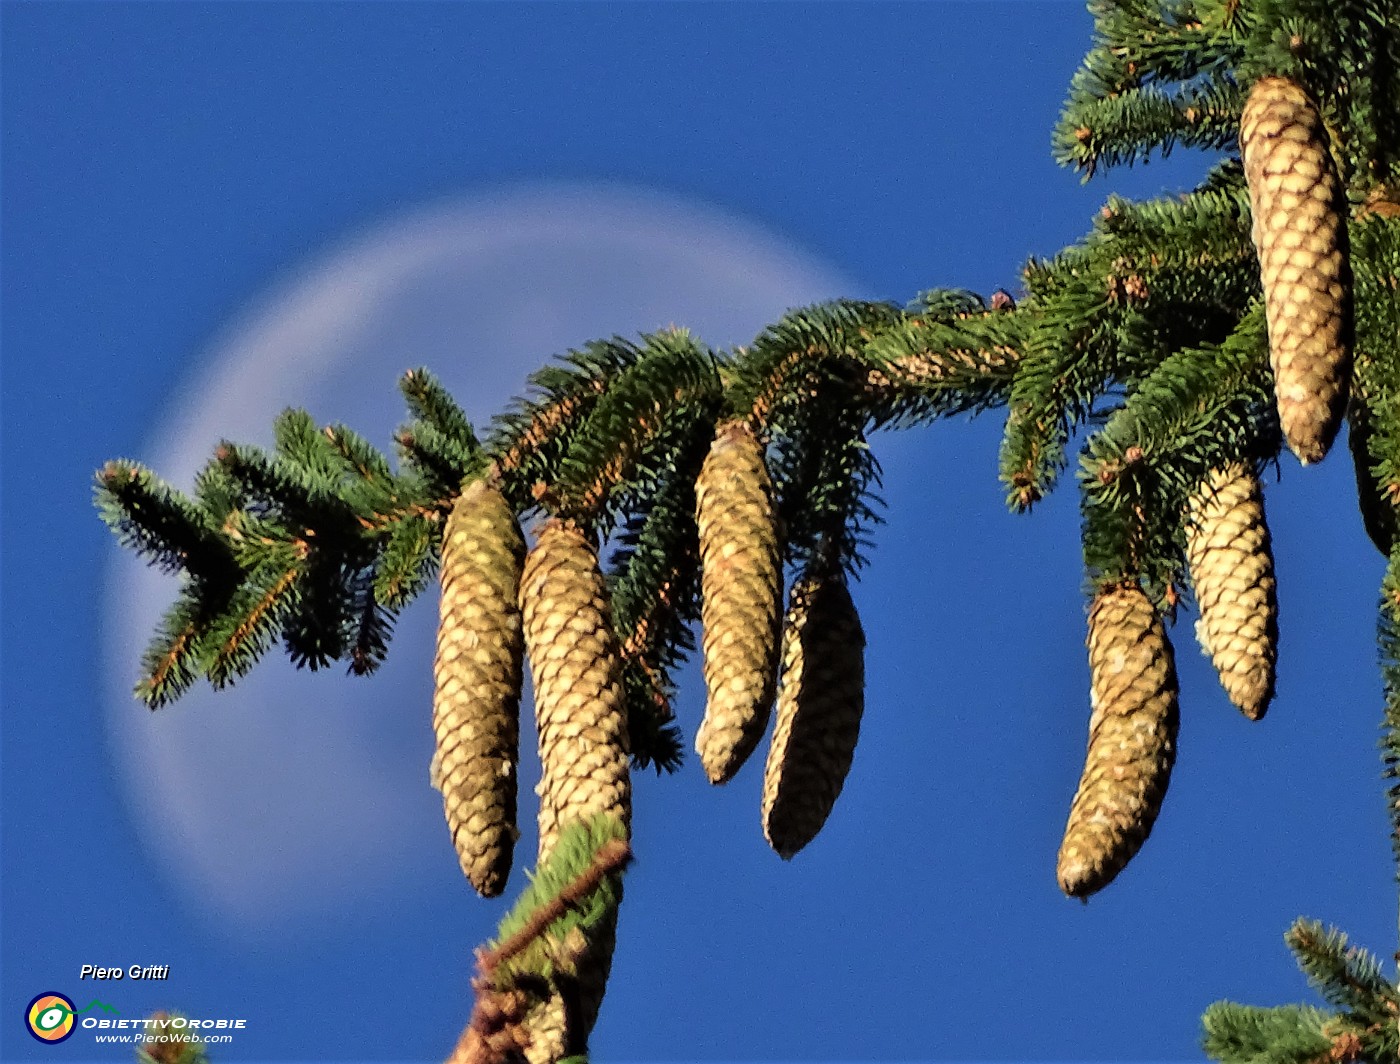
938, 362
654, 589
1197, 411
161, 523
805, 346
528, 440
1347, 977
1125, 128
1243, 1034
254, 616
614, 855
671, 373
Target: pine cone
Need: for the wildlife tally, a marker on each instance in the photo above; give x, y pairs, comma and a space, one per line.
742, 586
1232, 569
478, 673
581, 714
577, 670
820, 703
1132, 741
1301, 238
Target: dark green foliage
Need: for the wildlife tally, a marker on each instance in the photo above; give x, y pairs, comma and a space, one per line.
947, 354
669, 378
162, 524
653, 582
1198, 410
1243, 1034
528, 440
805, 383
1364, 1026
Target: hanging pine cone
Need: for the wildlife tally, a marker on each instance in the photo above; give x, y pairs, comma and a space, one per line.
478, 674
742, 586
1301, 239
582, 719
1132, 741
820, 702
1232, 570
579, 705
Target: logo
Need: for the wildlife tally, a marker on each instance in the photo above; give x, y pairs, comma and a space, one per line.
50, 1017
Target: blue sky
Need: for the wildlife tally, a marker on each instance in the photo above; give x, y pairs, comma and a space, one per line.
166, 168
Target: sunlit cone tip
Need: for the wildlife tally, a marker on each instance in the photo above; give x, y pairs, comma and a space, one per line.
1231, 563
741, 586
820, 703
478, 672
1300, 236
1132, 741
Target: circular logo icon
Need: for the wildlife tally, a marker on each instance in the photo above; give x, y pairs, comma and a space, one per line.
50, 1017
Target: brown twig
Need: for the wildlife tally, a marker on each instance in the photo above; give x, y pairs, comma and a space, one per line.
611, 856
496, 1032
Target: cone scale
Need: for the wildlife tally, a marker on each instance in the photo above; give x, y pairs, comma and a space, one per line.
477, 670
1132, 741
741, 580
820, 703
1232, 570
1301, 240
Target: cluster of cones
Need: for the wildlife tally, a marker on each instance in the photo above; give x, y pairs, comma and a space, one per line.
1301, 238
501, 605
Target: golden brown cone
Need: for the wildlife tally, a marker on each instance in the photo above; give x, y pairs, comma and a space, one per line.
1301, 239
820, 703
581, 714
1132, 741
1232, 570
478, 674
741, 607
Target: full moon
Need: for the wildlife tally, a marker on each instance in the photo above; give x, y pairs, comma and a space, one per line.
273, 802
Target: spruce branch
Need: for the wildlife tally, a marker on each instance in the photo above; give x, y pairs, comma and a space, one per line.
528, 440
1199, 410
429, 402
1140, 42
161, 523
1244, 1034
572, 894
806, 346
1099, 131
255, 614
1347, 977
671, 374
953, 355
654, 588
173, 660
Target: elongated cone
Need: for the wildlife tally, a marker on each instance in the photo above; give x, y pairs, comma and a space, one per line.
582, 718
820, 703
476, 708
1232, 570
742, 585
1301, 239
1132, 741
